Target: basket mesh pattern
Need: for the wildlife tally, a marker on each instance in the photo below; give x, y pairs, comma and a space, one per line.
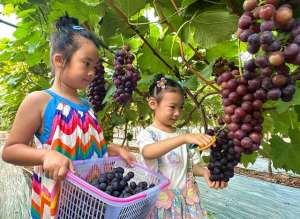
78, 201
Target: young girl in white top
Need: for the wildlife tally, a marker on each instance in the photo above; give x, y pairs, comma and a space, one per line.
165, 149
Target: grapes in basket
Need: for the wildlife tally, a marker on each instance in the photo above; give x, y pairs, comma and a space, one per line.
118, 184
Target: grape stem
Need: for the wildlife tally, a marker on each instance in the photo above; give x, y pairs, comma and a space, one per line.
261, 2
204, 118
239, 54
125, 133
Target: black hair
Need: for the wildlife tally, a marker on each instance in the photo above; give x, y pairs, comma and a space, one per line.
64, 40
156, 89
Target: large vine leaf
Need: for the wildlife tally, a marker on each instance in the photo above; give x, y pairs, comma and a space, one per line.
130, 7
212, 27
285, 152
226, 49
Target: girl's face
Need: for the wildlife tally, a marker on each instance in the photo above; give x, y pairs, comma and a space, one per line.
80, 71
168, 110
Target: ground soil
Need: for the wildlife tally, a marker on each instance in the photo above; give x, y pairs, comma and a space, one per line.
279, 178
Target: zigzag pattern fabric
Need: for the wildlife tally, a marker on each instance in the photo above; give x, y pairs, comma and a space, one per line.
75, 133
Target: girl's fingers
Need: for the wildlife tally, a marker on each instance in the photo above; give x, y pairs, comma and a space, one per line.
71, 167
201, 142
46, 173
210, 184
218, 185
223, 185
50, 174
62, 173
55, 174
207, 138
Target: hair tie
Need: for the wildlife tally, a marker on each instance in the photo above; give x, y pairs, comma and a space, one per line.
77, 28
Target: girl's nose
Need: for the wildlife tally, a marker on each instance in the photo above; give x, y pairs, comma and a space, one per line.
177, 112
91, 73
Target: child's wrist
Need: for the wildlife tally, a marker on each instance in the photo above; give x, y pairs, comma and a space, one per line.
183, 139
114, 149
42, 156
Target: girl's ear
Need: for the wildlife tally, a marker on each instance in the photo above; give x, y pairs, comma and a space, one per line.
152, 103
58, 60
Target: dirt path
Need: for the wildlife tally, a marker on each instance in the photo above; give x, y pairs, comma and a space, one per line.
15, 195
278, 178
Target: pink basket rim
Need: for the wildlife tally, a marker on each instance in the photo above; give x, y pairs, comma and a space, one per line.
75, 179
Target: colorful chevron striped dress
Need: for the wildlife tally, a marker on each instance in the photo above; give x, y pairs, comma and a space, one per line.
73, 130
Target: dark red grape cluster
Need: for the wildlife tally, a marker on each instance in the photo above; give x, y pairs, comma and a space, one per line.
273, 35
117, 184
96, 90
223, 158
125, 77
242, 101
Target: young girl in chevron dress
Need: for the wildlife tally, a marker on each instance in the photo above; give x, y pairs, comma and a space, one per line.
64, 123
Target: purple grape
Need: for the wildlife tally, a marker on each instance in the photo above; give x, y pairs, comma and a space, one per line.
261, 61
297, 39
250, 65
291, 51
245, 22
267, 83
267, 26
274, 94
275, 46
253, 48
245, 35
266, 38
253, 39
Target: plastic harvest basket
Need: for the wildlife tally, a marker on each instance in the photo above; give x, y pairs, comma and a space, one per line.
80, 200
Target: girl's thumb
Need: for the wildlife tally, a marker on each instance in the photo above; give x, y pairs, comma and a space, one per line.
71, 167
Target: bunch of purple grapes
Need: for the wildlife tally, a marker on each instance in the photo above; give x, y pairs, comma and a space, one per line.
223, 158
271, 29
125, 77
117, 184
242, 100
96, 89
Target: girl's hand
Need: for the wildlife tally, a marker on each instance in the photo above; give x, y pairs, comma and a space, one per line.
199, 139
127, 156
213, 184
56, 165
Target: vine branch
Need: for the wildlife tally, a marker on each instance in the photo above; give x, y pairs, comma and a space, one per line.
124, 17
181, 47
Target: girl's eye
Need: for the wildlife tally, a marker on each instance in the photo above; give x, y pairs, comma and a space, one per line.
87, 64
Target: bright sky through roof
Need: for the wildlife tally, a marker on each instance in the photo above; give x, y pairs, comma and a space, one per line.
6, 30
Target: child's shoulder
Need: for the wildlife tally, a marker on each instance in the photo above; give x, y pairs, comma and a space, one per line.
35, 101
37, 97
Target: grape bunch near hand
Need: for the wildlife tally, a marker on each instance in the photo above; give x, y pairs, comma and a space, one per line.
223, 157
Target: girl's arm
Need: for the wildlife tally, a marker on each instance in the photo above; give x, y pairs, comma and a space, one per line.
158, 149
27, 121
17, 150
